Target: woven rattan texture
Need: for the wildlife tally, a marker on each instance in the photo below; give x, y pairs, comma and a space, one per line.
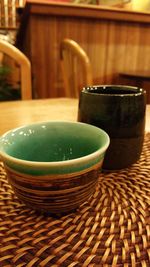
111, 229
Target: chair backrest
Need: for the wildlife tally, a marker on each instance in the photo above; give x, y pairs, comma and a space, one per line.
75, 66
24, 67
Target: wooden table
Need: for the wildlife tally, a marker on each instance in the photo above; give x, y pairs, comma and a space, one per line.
17, 113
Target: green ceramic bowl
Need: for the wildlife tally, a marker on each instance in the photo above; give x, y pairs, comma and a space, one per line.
53, 166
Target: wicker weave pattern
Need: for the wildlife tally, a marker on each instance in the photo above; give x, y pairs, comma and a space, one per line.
111, 229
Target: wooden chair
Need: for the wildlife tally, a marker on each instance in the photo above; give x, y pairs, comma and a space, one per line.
24, 65
75, 66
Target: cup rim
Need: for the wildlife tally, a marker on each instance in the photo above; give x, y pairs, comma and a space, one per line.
138, 90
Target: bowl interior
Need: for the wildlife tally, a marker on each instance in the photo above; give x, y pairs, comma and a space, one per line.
53, 141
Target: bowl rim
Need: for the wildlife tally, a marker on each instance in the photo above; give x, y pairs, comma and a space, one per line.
65, 163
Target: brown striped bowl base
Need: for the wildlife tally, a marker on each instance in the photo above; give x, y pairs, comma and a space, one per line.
54, 193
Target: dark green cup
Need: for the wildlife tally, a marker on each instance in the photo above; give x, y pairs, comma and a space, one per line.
120, 111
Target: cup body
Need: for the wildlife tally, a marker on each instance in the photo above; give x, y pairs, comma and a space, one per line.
120, 111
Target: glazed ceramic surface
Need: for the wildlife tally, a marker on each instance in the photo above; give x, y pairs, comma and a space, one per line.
53, 166
120, 111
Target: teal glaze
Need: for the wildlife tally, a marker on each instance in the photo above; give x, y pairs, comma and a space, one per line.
53, 147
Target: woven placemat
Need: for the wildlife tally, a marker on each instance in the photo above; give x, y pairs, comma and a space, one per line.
111, 229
